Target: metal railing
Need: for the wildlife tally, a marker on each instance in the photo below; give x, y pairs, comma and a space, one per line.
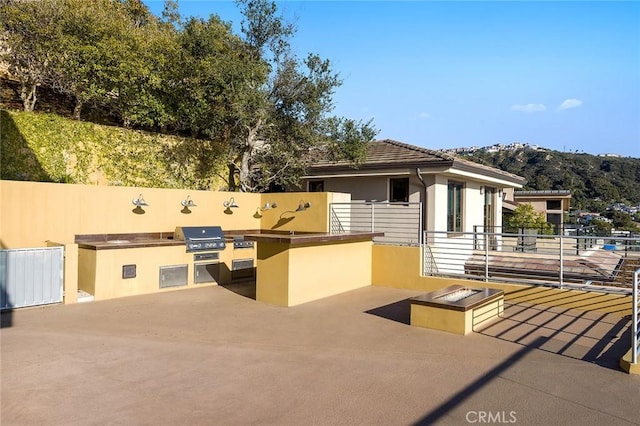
556, 260
635, 325
401, 223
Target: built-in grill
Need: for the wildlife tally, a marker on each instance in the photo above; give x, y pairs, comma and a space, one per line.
201, 238
243, 264
240, 243
206, 243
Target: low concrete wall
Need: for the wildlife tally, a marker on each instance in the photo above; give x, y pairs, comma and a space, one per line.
290, 275
400, 267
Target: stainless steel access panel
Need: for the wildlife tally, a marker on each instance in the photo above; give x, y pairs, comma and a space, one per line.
173, 276
31, 277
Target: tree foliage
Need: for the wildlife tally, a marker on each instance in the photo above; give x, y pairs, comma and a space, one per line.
594, 181
287, 118
248, 94
601, 227
51, 148
29, 35
525, 217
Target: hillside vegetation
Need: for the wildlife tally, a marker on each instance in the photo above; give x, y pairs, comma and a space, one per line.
48, 147
594, 181
246, 92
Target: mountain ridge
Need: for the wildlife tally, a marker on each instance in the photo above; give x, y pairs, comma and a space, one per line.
595, 181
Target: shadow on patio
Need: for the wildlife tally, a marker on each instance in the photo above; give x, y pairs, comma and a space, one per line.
592, 327
592, 336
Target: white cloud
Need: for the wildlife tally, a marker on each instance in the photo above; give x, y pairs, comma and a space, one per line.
424, 115
570, 103
529, 107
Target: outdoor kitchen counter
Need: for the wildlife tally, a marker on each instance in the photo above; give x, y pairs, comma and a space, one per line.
300, 268
126, 241
312, 238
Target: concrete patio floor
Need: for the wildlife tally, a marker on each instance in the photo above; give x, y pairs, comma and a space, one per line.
210, 356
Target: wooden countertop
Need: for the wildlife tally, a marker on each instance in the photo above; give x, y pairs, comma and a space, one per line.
312, 238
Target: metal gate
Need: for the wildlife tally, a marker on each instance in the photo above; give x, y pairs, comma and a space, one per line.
30, 277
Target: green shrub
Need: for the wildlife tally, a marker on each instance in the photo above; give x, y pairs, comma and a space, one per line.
50, 148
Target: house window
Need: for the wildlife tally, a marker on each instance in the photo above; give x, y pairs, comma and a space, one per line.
399, 190
554, 218
316, 186
554, 205
454, 206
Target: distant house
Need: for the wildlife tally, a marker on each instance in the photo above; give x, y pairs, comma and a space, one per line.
552, 203
456, 195
588, 218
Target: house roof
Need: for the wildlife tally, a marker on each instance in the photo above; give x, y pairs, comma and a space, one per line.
509, 205
546, 193
391, 154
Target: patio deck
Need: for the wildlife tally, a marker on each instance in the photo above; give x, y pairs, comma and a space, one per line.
211, 356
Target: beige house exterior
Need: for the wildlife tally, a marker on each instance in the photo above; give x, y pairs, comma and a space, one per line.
456, 195
553, 204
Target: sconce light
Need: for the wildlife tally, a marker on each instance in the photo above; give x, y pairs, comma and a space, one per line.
481, 190
188, 202
139, 202
303, 206
231, 203
269, 206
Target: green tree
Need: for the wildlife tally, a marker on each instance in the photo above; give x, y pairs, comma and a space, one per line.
89, 51
284, 118
219, 74
601, 227
112, 56
29, 41
525, 217
622, 220
105, 53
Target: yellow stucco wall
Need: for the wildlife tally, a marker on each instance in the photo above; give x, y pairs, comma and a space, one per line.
286, 218
70, 271
318, 271
272, 274
399, 267
32, 213
100, 273
37, 214
291, 275
458, 322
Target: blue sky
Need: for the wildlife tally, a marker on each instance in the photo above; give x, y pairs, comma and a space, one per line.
445, 74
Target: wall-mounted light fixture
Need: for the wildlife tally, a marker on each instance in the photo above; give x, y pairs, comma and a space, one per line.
303, 206
231, 203
188, 202
267, 206
481, 190
139, 202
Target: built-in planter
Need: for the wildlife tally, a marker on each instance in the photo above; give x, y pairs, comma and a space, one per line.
456, 309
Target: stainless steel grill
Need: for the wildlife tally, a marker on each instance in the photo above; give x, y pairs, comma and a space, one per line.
240, 242
201, 238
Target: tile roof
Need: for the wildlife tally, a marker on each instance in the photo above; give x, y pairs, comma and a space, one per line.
543, 193
388, 154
